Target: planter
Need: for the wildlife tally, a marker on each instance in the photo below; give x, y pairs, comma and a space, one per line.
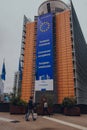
4, 107
74, 111
17, 109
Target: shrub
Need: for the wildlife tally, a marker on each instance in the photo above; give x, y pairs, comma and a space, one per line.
18, 102
69, 102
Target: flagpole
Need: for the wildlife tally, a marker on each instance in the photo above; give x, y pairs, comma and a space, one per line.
3, 60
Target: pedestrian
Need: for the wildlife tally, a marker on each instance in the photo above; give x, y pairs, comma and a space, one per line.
35, 111
29, 109
45, 108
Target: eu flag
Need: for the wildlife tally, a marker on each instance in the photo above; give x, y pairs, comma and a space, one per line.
3, 71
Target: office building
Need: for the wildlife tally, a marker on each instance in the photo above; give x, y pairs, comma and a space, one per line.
54, 54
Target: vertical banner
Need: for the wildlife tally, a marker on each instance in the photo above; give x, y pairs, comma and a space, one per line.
44, 53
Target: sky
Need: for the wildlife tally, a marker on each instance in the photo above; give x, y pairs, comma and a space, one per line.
11, 25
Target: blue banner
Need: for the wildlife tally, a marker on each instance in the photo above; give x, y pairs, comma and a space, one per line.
3, 75
44, 48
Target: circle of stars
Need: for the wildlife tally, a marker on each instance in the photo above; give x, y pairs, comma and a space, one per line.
46, 24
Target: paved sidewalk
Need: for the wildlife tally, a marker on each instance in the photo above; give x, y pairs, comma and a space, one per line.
55, 122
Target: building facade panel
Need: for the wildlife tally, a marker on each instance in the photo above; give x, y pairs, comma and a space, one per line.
64, 56
81, 60
27, 81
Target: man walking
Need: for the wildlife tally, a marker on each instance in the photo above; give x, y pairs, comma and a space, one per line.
30, 109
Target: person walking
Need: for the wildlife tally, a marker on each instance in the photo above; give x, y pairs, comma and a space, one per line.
29, 109
45, 108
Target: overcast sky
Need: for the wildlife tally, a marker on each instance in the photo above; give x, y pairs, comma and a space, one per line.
11, 24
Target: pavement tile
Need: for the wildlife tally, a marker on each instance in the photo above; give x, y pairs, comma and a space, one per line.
41, 123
